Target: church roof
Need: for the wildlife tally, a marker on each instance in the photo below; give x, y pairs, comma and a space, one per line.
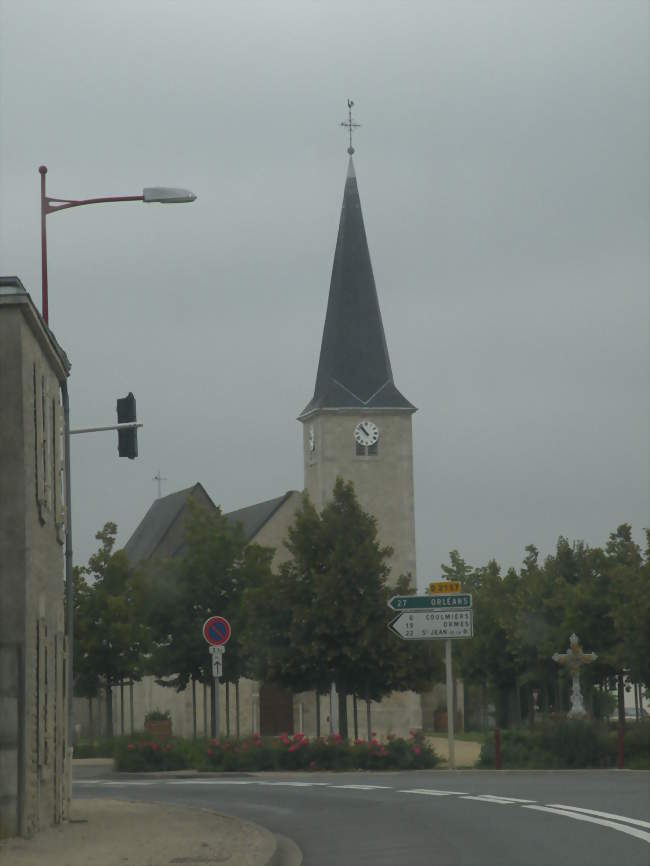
354, 368
253, 517
164, 512
157, 521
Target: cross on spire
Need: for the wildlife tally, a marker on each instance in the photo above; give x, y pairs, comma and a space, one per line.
350, 125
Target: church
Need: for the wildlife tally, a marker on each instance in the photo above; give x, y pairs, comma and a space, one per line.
357, 425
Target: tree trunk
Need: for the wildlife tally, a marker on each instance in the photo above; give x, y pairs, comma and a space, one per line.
131, 718
343, 714
91, 726
318, 714
205, 710
356, 717
237, 708
193, 708
621, 699
637, 715
213, 718
122, 707
368, 719
227, 708
109, 712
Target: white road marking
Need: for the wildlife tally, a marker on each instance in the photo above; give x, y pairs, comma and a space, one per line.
207, 782
500, 799
362, 787
623, 818
431, 792
88, 781
293, 784
490, 800
622, 828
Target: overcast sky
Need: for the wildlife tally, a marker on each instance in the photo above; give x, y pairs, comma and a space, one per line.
503, 172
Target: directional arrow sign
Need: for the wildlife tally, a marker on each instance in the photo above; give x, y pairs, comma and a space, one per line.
433, 624
426, 602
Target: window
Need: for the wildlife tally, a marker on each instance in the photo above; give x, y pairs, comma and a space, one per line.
367, 450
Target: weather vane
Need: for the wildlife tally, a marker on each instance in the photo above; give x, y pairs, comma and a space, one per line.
350, 125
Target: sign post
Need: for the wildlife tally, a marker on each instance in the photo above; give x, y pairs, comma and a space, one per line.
445, 613
450, 705
216, 631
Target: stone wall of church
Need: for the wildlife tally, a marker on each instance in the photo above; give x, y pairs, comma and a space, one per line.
383, 483
399, 714
132, 703
274, 532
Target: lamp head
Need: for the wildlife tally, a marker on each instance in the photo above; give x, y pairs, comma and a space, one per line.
167, 195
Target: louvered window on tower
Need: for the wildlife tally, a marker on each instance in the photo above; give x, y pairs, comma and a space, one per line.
367, 450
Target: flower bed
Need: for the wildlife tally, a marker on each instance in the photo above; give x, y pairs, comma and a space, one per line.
287, 752
298, 752
141, 755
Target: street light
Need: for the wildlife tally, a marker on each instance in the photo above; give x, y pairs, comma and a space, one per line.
150, 194
161, 195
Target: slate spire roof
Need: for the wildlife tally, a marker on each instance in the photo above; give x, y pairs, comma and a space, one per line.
354, 368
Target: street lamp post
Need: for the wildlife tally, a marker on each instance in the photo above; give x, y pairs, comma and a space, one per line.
161, 195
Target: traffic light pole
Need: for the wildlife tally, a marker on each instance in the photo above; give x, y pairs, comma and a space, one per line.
128, 425
69, 585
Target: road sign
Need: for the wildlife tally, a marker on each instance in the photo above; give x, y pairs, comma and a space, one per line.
217, 653
216, 630
433, 624
426, 602
444, 586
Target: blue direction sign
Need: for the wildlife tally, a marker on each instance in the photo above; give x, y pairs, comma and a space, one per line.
216, 630
426, 602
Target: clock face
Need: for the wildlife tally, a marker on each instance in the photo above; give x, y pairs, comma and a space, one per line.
366, 433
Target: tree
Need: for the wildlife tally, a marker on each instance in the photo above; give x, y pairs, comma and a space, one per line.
323, 618
208, 579
111, 639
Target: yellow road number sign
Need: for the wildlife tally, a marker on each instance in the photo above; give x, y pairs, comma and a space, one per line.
437, 586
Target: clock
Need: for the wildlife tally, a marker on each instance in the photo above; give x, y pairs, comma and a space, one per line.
366, 433
312, 439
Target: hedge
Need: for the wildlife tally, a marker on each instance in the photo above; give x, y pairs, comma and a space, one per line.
569, 744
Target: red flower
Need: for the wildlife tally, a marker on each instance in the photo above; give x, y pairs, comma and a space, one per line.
131, 747
294, 747
209, 751
416, 750
154, 747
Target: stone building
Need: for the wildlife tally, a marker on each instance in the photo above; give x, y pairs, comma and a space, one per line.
32, 520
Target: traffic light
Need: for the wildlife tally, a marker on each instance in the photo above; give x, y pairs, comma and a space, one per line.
127, 440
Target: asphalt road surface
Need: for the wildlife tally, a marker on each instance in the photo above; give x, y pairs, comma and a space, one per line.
423, 818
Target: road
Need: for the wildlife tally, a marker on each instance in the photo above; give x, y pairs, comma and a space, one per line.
423, 818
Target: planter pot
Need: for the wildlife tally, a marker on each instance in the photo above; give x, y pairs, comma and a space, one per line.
161, 728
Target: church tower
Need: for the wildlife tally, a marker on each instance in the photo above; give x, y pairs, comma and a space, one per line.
357, 424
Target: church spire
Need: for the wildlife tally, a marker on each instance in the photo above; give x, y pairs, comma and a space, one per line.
354, 368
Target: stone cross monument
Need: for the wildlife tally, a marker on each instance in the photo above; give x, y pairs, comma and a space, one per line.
573, 659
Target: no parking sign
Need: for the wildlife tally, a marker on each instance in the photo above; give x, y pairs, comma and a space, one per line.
216, 630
